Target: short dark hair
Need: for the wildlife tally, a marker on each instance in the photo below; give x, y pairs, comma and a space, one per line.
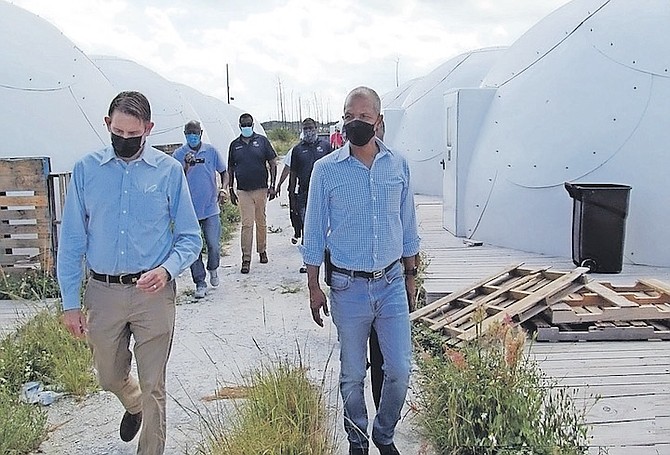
131, 103
246, 115
193, 125
309, 120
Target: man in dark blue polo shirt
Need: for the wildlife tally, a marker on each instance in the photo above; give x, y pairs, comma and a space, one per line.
249, 158
303, 157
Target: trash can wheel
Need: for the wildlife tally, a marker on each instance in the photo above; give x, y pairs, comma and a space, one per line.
591, 264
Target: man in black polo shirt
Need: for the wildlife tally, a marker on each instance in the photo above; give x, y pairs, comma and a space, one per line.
303, 156
249, 158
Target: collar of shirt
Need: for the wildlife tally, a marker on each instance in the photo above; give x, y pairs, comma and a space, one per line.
345, 151
147, 155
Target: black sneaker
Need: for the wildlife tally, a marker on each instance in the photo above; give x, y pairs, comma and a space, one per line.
358, 450
387, 449
130, 425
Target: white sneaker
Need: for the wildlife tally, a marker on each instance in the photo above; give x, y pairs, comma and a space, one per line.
200, 290
214, 278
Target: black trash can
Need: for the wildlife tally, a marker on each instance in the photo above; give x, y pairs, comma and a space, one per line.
598, 225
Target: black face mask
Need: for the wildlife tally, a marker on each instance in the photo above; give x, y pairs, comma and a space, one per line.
359, 132
126, 147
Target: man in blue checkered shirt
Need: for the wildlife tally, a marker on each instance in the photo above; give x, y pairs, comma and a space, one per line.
361, 222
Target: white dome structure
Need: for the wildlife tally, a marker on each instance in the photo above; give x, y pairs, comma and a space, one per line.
170, 110
54, 99
414, 115
581, 97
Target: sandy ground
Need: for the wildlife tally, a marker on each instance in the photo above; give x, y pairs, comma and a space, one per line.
247, 321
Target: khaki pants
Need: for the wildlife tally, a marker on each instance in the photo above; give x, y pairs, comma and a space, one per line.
115, 312
252, 209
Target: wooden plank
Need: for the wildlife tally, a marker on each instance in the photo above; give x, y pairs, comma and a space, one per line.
21, 182
657, 285
24, 201
14, 229
610, 295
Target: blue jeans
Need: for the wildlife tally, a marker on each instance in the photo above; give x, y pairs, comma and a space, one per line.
211, 230
357, 305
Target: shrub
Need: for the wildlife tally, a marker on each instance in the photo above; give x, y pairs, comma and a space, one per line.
489, 398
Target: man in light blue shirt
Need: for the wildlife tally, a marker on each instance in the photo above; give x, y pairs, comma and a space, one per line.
129, 219
361, 222
201, 163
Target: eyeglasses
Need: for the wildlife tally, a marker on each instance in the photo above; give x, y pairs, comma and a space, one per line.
308, 128
191, 132
246, 125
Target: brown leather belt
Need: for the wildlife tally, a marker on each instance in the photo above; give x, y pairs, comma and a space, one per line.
129, 278
377, 274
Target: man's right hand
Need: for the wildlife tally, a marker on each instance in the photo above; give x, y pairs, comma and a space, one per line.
233, 197
75, 322
317, 301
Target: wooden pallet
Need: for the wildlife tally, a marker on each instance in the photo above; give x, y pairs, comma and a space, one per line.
599, 331
602, 302
515, 292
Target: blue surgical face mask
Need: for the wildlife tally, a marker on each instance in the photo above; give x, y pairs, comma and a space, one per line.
247, 131
192, 139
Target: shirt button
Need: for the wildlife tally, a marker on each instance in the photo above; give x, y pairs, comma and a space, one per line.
123, 252
125, 191
123, 232
124, 211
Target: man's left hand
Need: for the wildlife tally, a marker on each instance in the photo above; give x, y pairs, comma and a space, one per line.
271, 193
410, 288
153, 280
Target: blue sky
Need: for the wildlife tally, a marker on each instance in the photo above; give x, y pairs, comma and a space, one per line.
318, 50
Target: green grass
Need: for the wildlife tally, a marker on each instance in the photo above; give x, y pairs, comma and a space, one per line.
40, 350
282, 139
22, 427
230, 217
32, 285
284, 414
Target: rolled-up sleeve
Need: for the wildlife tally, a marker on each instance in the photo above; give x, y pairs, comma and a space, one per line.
411, 240
316, 217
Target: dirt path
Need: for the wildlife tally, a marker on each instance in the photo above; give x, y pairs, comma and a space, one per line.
247, 320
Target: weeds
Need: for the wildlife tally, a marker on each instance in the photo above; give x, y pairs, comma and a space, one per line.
41, 350
230, 216
32, 285
489, 398
23, 426
283, 413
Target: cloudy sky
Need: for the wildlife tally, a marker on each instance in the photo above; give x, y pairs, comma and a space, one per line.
316, 50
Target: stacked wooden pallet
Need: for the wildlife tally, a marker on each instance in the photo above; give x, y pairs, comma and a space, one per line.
556, 306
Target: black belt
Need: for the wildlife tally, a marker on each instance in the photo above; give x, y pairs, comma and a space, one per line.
130, 278
377, 274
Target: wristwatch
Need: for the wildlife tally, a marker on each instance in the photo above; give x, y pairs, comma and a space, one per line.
412, 272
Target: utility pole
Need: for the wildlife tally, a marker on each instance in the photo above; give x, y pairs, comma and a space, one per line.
397, 62
227, 84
